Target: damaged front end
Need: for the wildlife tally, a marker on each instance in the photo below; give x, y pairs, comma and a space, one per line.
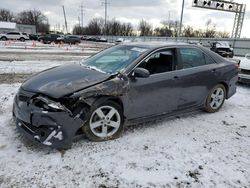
45, 120
55, 122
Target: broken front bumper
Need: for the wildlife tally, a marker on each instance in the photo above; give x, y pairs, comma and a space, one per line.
55, 129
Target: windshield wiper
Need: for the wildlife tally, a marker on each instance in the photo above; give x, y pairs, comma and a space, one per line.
93, 68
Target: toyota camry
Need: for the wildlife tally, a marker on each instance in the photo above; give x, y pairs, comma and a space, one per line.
122, 85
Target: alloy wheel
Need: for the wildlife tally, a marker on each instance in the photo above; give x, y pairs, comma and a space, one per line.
105, 121
217, 98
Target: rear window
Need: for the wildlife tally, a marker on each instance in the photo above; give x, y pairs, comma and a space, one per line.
13, 33
192, 57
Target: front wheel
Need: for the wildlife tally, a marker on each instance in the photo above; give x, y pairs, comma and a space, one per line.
215, 99
105, 122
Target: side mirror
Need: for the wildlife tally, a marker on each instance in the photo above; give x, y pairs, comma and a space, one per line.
141, 73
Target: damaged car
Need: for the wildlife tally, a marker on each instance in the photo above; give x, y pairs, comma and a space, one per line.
122, 85
244, 73
222, 48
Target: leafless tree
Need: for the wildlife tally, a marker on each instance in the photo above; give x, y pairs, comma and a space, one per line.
210, 29
34, 17
6, 15
145, 28
95, 26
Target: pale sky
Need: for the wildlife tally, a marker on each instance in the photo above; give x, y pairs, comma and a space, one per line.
131, 11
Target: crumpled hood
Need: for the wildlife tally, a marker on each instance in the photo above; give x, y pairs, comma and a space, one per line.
63, 80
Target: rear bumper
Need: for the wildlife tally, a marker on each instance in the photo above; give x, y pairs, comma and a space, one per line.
232, 87
54, 129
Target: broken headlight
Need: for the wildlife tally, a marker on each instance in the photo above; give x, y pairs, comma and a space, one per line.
50, 103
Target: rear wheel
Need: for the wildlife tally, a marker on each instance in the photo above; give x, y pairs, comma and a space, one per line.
216, 98
22, 39
105, 122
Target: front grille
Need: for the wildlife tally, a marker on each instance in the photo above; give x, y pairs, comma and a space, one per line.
245, 71
224, 49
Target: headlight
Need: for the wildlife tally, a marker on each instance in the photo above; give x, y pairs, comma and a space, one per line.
51, 104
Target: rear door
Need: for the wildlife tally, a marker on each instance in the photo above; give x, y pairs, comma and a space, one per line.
197, 74
13, 35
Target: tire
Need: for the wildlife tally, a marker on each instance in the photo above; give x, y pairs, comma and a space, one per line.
22, 39
215, 99
99, 126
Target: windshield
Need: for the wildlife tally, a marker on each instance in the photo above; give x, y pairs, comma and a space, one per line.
114, 59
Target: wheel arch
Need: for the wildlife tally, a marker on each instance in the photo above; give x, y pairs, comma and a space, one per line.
115, 99
226, 87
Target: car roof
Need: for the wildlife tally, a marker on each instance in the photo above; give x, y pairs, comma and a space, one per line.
156, 44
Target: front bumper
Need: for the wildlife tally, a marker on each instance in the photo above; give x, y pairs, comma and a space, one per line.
244, 78
225, 54
54, 129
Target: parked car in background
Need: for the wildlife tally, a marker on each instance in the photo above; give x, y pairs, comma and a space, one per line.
119, 40
33, 37
101, 39
244, 75
195, 42
89, 38
222, 48
69, 39
14, 36
84, 37
47, 39
122, 40
124, 84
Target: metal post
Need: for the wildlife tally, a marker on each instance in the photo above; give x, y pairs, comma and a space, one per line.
81, 15
105, 24
66, 25
182, 10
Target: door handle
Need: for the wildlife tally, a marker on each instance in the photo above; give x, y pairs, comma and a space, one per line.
176, 77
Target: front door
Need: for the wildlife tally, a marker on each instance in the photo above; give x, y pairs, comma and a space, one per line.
157, 94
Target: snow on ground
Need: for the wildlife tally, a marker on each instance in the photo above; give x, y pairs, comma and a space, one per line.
197, 150
34, 46
29, 67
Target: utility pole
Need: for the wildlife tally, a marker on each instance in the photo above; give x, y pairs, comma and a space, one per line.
79, 21
66, 25
105, 3
81, 12
182, 10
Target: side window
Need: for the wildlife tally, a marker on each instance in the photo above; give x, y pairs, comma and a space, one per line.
11, 33
159, 62
192, 57
209, 60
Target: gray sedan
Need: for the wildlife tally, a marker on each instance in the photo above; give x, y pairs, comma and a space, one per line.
125, 84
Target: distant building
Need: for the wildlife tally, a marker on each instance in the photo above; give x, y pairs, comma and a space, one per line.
10, 26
